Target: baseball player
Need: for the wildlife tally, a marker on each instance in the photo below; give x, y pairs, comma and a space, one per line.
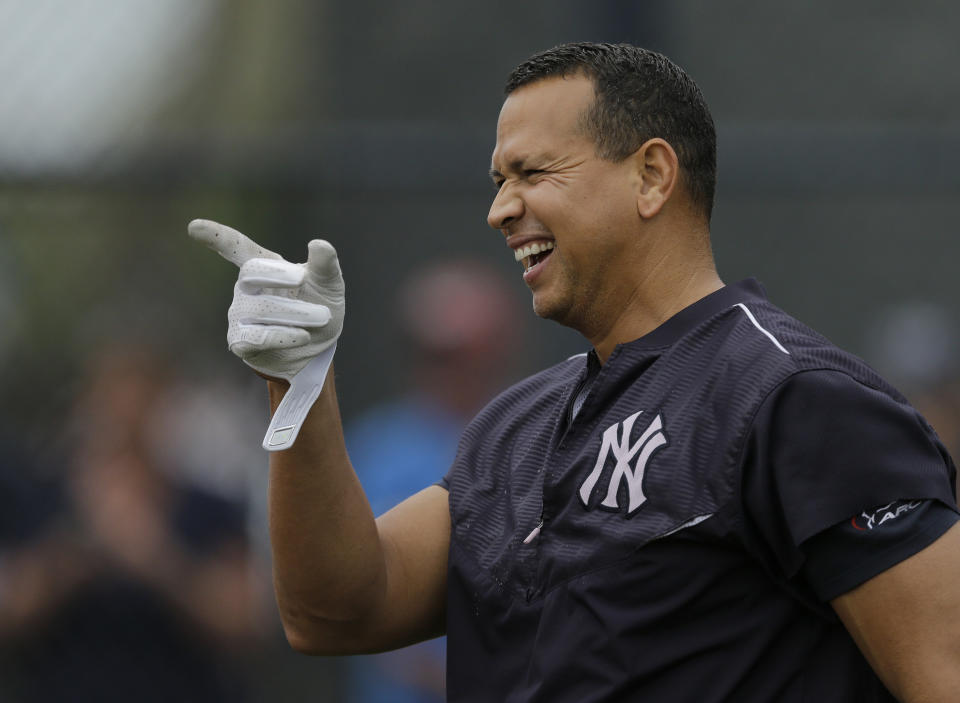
713, 503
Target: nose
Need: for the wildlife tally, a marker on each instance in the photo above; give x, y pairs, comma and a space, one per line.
507, 207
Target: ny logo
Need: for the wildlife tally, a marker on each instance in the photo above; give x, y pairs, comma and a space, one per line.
623, 453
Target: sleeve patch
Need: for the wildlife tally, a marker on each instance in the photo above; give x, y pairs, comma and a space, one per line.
875, 518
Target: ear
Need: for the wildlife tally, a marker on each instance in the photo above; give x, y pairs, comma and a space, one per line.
658, 171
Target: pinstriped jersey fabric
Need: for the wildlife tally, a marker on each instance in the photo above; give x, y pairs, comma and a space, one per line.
672, 512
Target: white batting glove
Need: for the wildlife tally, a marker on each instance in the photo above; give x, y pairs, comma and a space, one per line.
284, 320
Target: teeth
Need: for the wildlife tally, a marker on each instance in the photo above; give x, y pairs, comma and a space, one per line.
531, 249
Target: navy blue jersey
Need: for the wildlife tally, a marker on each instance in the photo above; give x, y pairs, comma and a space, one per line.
670, 540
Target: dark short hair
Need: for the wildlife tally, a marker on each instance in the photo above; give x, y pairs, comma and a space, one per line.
640, 95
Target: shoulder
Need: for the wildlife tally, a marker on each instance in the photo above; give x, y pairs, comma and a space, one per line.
761, 378
767, 348
795, 375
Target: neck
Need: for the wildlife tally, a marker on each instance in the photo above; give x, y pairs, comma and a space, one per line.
643, 304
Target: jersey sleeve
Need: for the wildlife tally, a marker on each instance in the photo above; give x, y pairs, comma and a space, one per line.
822, 449
843, 556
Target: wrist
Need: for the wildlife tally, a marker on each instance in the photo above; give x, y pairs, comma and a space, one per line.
276, 389
273, 379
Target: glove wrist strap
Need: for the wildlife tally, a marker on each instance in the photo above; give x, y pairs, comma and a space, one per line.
305, 387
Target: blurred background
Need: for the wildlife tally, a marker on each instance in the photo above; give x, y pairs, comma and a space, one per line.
132, 483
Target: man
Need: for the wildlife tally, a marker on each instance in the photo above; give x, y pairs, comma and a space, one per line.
713, 504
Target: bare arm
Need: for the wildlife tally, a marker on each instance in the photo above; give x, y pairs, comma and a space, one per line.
346, 583
906, 621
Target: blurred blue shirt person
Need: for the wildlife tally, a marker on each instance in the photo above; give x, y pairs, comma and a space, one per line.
460, 325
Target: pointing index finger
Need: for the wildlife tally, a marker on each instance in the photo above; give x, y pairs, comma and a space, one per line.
234, 246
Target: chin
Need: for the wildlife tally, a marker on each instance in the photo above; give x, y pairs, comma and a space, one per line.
550, 310
541, 308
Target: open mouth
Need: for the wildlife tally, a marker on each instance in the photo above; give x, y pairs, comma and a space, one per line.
532, 254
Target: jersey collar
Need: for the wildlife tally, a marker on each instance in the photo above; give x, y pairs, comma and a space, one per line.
747, 290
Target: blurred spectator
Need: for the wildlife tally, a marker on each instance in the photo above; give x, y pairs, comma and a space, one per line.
460, 327
120, 582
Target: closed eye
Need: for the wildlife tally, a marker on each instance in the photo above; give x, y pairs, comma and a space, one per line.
499, 180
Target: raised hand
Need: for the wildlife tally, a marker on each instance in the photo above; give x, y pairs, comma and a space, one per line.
284, 320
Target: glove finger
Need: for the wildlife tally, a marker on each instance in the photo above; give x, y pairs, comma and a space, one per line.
244, 340
269, 273
232, 245
265, 309
322, 263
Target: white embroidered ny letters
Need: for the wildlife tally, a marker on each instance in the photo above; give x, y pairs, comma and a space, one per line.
652, 439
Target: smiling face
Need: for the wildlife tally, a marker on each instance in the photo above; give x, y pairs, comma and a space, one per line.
570, 217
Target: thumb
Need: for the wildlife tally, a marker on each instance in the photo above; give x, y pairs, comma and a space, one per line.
322, 262
232, 245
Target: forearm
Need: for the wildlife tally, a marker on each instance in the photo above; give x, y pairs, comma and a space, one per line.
327, 558
343, 582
